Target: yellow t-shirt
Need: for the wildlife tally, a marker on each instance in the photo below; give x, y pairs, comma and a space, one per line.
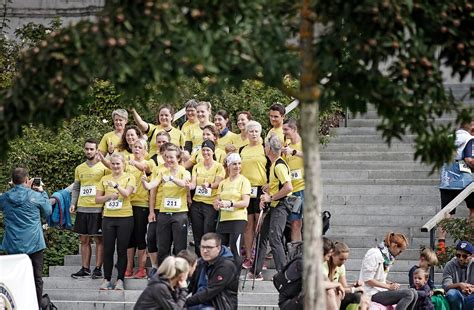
229, 138
278, 132
122, 206
159, 191
338, 272
186, 127
177, 137
238, 142
279, 174
140, 197
204, 175
112, 137
233, 191
254, 164
174, 196
219, 155
88, 177
296, 165
194, 135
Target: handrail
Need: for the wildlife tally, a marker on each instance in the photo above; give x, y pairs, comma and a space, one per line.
450, 207
288, 109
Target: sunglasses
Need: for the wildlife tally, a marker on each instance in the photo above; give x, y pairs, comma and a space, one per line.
463, 256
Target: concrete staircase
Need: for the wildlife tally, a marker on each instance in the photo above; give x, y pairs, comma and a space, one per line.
372, 189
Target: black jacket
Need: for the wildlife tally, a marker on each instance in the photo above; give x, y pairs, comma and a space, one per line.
222, 282
159, 295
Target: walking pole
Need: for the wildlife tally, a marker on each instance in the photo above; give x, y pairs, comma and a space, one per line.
254, 244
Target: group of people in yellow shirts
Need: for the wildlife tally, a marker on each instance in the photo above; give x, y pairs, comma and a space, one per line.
142, 183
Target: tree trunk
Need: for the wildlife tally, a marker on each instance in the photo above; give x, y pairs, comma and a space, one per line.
309, 123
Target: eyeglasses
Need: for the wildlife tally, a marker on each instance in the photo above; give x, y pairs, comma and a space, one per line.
207, 248
463, 256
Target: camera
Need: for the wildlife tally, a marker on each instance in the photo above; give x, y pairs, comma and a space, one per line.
36, 182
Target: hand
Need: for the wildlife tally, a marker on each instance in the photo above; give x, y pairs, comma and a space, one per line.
262, 205
152, 217
110, 146
393, 286
99, 156
37, 188
72, 209
265, 188
266, 197
206, 184
358, 283
286, 150
113, 196
111, 183
132, 162
340, 291
464, 287
359, 289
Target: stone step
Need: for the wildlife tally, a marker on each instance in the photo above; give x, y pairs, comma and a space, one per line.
387, 210
382, 190
370, 231
370, 156
375, 199
367, 147
375, 138
380, 182
366, 242
374, 122
382, 221
395, 276
371, 165
355, 174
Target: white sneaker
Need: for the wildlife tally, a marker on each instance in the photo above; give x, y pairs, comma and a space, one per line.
106, 285
119, 285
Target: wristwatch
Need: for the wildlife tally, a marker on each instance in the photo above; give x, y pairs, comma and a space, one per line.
231, 203
294, 152
116, 186
171, 178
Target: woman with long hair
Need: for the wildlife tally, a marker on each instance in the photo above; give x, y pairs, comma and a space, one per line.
375, 268
114, 191
209, 132
194, 136
130, 135
168, 289
242, 120
224, 127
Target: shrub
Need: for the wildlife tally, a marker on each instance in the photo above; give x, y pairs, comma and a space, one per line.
458, 229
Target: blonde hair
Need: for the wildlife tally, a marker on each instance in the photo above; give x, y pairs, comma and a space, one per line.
422, 272
340, 247
429, 256
253, 124
118, 155
120, 113
172, 267
143, 143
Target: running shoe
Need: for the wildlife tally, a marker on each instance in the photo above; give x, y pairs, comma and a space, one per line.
129, 274
118, 285
252, 276
82, 273
247, 264
152, 273
106, 285
140, 274
97, 273
265, 266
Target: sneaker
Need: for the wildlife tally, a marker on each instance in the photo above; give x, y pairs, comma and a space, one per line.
106, 285
152, 273
258, 277
265, 266
140, 274
247, 264
128, 274
97, 273
118, 285
83, 273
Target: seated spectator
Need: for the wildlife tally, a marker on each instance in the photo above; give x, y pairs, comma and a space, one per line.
376, 265
334, 290
458, 278
168, 289
335, 270
191, 258
215, 283
420, 281
428, 259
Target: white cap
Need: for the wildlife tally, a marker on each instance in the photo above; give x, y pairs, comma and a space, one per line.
232, 158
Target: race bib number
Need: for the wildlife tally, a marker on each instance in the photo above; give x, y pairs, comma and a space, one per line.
296, 174
114, 204
203, 191
228, 209
253, 192
172, 203
87, 191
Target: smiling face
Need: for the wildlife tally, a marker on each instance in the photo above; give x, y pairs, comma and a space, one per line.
276, 119
242, 120
207, 153
208, 135
220, 122
165, 117
202, 113
160, 140
119, 123
171, 158
117, 165
340, 259
191, 114
234, 168
131, 136
288, 132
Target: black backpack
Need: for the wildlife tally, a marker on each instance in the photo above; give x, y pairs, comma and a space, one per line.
289, 280
47, 304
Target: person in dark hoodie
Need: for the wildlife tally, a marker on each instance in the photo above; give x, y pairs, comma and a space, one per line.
215, 282
167, 290
458, 278
22, 207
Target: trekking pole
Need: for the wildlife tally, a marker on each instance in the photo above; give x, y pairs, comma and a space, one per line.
254, 244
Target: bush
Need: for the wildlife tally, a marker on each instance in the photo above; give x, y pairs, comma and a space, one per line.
458, 229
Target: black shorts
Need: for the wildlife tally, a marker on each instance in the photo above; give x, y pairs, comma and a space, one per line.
254, 204
447, 195
231, 227
88, 224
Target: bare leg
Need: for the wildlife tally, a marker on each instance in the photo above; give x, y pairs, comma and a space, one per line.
141, 258
130, 258
85, 250
248, 235
153, 259
296, 230
99, 251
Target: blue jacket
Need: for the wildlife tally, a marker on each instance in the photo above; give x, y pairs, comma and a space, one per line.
22, 210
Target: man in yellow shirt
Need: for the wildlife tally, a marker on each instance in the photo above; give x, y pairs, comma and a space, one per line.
274, 223
276, 116
89, 214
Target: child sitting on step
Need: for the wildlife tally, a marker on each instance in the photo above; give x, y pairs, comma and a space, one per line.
420, 279
428, 259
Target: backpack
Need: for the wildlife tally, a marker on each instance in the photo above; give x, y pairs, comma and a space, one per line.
289, 280
47, 304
